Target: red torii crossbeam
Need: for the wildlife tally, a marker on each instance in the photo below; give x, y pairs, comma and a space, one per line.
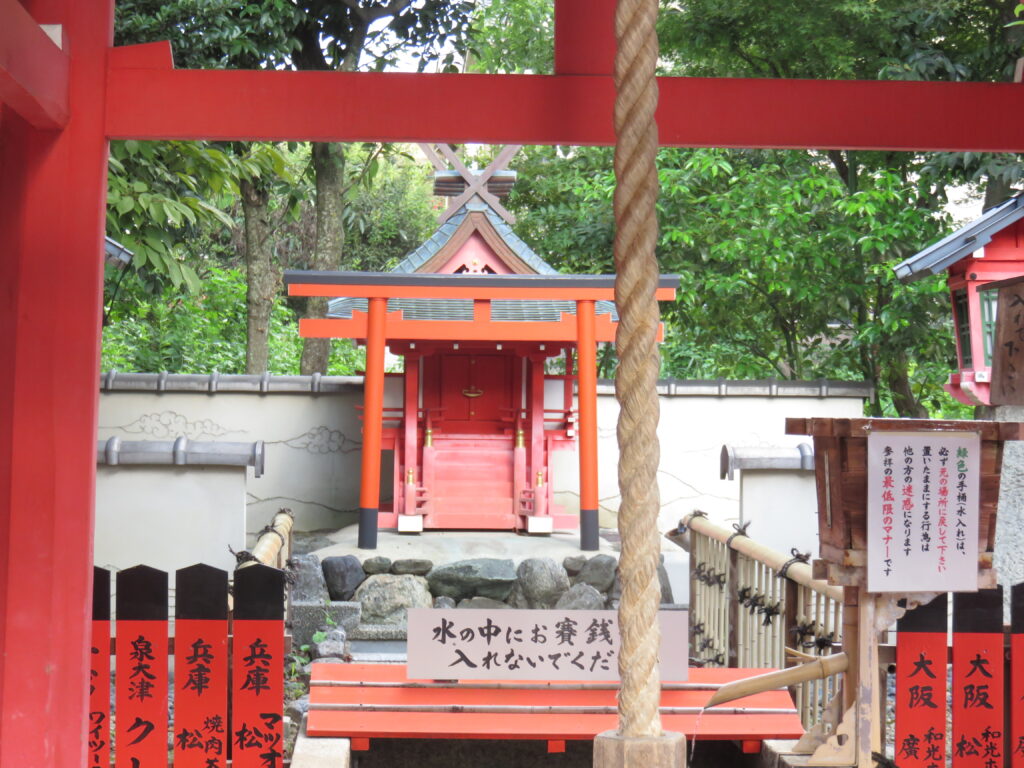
61, 107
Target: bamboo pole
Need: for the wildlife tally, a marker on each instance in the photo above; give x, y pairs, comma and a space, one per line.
798, 572
272, 541
812, 670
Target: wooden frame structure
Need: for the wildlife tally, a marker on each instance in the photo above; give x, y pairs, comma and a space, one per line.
63, 102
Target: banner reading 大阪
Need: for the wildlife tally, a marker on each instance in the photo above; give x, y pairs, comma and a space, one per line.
471, 644
922, 509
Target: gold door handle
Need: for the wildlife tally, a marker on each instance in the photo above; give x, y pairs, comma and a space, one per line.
472, 392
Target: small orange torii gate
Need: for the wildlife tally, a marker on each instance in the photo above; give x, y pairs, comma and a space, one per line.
66, 92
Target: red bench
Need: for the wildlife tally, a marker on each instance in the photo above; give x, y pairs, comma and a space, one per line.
369, 701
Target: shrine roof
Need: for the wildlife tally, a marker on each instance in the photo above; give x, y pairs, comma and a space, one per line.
424, 253
462, 309
940, 256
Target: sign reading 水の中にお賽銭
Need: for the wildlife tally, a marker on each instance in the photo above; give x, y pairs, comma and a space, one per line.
922, 510
468, 644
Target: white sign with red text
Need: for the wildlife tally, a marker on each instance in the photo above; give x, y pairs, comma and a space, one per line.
923, 511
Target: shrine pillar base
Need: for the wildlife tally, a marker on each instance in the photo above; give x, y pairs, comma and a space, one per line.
613, 750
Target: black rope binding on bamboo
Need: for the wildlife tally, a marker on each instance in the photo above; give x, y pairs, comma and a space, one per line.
682, 527
741, 530
797, 557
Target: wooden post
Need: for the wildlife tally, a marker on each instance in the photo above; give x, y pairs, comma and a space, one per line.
52, 205
586, 368
373, 424
411, 418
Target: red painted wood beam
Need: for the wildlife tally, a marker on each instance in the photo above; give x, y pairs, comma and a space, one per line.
33, 69
584, 37
52, 195
566, 109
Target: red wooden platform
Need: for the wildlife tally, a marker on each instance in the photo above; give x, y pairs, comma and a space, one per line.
364, 701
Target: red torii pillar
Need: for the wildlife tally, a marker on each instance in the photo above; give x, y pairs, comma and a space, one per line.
52, 198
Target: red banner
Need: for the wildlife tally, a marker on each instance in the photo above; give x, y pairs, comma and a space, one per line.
141, 694
978, 685
141, 668
98, 742
257, 669
921, 686
1017, 678
201, 732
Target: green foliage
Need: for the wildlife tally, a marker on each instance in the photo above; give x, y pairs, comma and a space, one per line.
389, 214
784, 272
203, 331
513, 36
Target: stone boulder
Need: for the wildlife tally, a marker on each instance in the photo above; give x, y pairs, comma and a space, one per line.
343, 575
332, 646
378, 564
444, 602
598, 572
542, 581
412, 566
581, 597
573, 564
483, 603
479, 577
307, 579
386, 598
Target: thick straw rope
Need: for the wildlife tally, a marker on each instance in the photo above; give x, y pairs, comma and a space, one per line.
635, 382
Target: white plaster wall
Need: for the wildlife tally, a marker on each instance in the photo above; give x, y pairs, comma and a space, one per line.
169, 517
782, 508
312, 444
692, 431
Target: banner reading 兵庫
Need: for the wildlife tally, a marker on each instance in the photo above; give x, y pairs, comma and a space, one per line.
922, 509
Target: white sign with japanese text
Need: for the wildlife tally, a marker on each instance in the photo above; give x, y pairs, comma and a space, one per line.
922, 511
470, 644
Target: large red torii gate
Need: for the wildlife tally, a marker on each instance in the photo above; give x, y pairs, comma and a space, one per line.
61, 104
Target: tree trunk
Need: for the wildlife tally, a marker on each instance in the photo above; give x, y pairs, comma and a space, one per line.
328, 250
262, 278
898, 381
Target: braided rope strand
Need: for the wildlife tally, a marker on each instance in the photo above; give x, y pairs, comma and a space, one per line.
636, 280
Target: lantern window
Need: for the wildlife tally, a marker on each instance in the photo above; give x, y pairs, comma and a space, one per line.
961, 315
989, 301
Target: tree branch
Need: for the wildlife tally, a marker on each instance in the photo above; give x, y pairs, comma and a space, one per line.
373, 13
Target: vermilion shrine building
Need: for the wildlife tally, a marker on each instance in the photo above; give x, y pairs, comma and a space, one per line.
986, 251
476, 316
66, 91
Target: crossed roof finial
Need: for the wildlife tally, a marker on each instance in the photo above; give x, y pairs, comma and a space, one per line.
462, 184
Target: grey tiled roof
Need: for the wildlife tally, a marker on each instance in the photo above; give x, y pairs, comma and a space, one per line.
426, 252
462, 309
965, 241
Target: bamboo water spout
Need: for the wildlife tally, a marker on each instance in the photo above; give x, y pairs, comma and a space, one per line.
818, 669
